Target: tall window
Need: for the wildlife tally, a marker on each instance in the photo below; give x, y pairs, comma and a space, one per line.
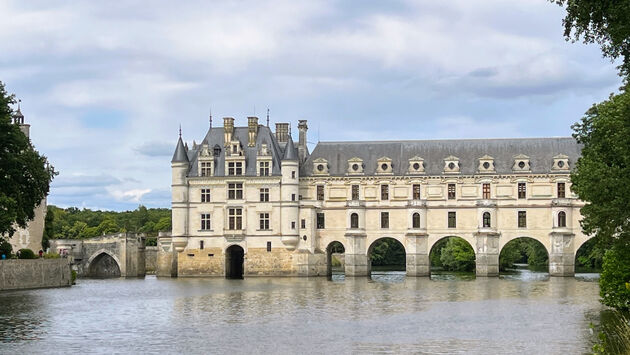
206, 168
201, 244
263, 168
384, 219
486, 191
303, 223
561, 190
205, 195
320, 192
486, 219
522, 190
264, 221
264, 194
354, 221
415, 220
522, 219
235, 218
269, 247
235, 168
452, 220
562, 219
293, 174
416, 192
321, 222
384, 192
235, 191
205, 221
355, 192
451, 191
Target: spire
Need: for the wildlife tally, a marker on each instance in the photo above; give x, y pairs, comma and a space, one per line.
210, 117
289, 150
18, 117
180, 131
180, 155
267, 116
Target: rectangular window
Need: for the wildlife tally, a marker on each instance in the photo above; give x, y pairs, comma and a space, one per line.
522, 190
206, 168
292, 197
235, 191
522, 219
384, 192
451, 191
384, 219
205, 195
235, 219
235, 168
269, 247
263, 168
486, 191
355, 192
264, 194
561, 190
303, 223
321, 223
292, 225
320, 192
205, 221
293, 174
201, 244
416, 192
452, 220
264, 221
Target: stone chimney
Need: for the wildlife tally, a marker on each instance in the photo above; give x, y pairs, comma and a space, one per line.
252, 131
282, 132
228, 128
302, 127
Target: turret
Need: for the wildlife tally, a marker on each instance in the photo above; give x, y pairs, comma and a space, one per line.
18, 119
289, 192
179, 167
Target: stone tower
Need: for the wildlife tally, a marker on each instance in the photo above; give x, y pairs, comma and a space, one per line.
289, 190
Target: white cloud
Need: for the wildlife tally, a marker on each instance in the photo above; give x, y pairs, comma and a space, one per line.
134, 195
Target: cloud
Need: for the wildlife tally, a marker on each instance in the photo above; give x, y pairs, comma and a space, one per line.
134, 195
155, 149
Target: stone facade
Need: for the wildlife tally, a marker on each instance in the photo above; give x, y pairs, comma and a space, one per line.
283, 206
22, 274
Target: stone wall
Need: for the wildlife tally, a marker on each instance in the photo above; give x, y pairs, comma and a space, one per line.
150, 260
21, 274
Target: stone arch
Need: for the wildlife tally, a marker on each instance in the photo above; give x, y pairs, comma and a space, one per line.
538, 240
434, 241
375, 242
234, 261
333, 248
103, 264
545, 241
588, 242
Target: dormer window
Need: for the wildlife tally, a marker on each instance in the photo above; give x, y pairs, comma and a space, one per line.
205, 168
560, 163
451, 165
320, 166
416, 165
217, 150
355, 166
384, 166
486, 164
521, 163
235, 168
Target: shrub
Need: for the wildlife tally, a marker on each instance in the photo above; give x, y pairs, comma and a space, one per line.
74, 276
6, 248
26, 254
51, 256
614, 277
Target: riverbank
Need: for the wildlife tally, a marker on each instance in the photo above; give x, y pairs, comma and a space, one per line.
24, 274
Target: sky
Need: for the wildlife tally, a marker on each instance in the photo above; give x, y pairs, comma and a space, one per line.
106, 84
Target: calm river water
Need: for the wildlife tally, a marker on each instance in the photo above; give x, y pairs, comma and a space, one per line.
527, 313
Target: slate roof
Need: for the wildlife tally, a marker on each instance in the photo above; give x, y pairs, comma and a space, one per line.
539, 150
290, 153
180, 153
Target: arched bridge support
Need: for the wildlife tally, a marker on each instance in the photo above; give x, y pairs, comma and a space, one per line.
356, 259
561, 257
487, 253
417, 251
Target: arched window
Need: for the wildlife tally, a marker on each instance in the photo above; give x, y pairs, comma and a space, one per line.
486, 219
415, 220
562, 219
354, 221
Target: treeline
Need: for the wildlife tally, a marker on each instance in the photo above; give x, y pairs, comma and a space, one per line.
74, 223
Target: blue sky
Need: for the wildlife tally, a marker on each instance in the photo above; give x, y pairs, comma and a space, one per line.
105, 85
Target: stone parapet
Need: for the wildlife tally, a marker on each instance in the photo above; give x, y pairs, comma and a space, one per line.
22, 274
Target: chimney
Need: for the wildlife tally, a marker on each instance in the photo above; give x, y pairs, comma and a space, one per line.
282, 132
252, 131
302, 127
228, 128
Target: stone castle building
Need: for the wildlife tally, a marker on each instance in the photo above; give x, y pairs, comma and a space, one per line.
248, 201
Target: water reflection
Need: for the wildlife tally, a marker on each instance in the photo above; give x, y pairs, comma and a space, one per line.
387, 312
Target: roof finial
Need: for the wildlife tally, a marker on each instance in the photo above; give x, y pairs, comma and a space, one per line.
210, 117
289, 129
267, 116
19, 102
180, 130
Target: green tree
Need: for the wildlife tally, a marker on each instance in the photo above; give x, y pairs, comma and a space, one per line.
605, 22
108, 226
24, 175
458, 255
615, 278
49, 229
387, 252
164, 224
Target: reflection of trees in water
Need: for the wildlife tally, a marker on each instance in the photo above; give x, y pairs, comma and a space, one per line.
21, 318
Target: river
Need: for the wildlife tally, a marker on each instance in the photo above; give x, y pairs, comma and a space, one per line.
527, 312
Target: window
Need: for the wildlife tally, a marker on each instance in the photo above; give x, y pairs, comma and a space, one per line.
354, 221
235, 218
269, 247
205, 195
451, 191
562, 219
321, 223
384, 219
292, 197
235, 191
522, 219
384, 192
293, 174
264, 221
206, 168
320, 192
263, 168
415, 220
486, 220
452, 220
416, 192
355, 192
303, 223
235, 168
201, 244
264, 194
561, 190
486, 191
293, 225
205, 221
522, 190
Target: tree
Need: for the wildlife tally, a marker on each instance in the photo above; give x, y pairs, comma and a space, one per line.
24, 174
49, 227
615, 277
605, 22
458, 255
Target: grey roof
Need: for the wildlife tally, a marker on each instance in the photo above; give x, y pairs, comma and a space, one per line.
539, 150
290, 153
180, 155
